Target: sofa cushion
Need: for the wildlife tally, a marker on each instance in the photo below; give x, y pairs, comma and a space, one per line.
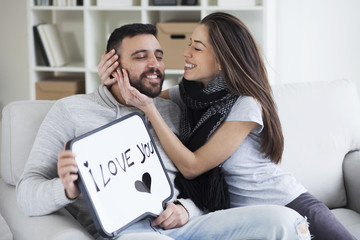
316, 143
350, 219
18, 134
5, 232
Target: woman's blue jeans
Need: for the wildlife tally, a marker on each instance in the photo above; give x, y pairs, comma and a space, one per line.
251, 222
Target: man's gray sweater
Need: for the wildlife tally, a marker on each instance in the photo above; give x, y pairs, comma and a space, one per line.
40, 190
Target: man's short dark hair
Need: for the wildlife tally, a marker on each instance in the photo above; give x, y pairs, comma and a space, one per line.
129, 30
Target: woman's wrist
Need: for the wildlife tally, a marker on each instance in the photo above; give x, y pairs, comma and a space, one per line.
149, 109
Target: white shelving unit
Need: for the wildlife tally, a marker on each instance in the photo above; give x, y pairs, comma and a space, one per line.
85, 30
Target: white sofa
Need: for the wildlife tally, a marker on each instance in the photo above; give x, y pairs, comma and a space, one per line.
321, 124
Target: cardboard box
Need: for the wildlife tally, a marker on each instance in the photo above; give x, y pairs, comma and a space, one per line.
57, 88
174, 38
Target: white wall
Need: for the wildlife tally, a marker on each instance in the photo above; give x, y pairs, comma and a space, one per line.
14, 68
318, 40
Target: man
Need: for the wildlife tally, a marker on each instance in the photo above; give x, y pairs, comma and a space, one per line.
48, 181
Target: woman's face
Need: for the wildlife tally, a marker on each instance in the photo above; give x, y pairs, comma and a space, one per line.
200, 62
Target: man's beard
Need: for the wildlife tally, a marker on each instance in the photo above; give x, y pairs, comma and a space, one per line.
154, 90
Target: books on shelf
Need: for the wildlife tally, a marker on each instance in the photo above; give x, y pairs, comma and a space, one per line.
40, 52
49, 44
59, 3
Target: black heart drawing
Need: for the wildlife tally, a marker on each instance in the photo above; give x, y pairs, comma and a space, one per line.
86, 164
145, 184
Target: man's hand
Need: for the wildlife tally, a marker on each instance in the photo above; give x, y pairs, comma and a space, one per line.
68, 173
175, 215
107, 66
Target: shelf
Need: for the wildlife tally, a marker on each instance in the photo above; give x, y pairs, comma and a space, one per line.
114, 8
148, 8
174, 71
242, 8
54, 8
173, 8
85, 30
73, 67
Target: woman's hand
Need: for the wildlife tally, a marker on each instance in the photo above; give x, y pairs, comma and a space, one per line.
107, 66
130, 94
175, 215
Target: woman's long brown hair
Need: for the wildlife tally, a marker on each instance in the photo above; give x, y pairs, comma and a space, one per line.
245, 74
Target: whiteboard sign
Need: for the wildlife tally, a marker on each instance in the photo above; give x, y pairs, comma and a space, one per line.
121, 175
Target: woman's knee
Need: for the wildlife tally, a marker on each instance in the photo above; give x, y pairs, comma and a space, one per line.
289, 224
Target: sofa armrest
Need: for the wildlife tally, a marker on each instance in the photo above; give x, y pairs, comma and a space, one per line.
59, 225
351, 168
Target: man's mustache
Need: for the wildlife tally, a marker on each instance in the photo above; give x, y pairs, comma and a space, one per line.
152, 71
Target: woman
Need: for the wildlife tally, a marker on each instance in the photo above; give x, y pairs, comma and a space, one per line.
230, 119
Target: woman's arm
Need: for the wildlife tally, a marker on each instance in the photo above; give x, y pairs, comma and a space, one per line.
220, 146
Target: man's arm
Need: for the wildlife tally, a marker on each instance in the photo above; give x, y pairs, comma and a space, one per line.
175, 215
40, 191
68, 173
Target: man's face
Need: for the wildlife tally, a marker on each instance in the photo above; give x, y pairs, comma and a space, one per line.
142, 56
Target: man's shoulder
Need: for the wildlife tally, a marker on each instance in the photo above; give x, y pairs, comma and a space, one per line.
166, 105
170, 113
165, 102
75, 100
78, 101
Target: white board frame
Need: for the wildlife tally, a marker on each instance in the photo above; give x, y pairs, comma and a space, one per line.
120, 162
